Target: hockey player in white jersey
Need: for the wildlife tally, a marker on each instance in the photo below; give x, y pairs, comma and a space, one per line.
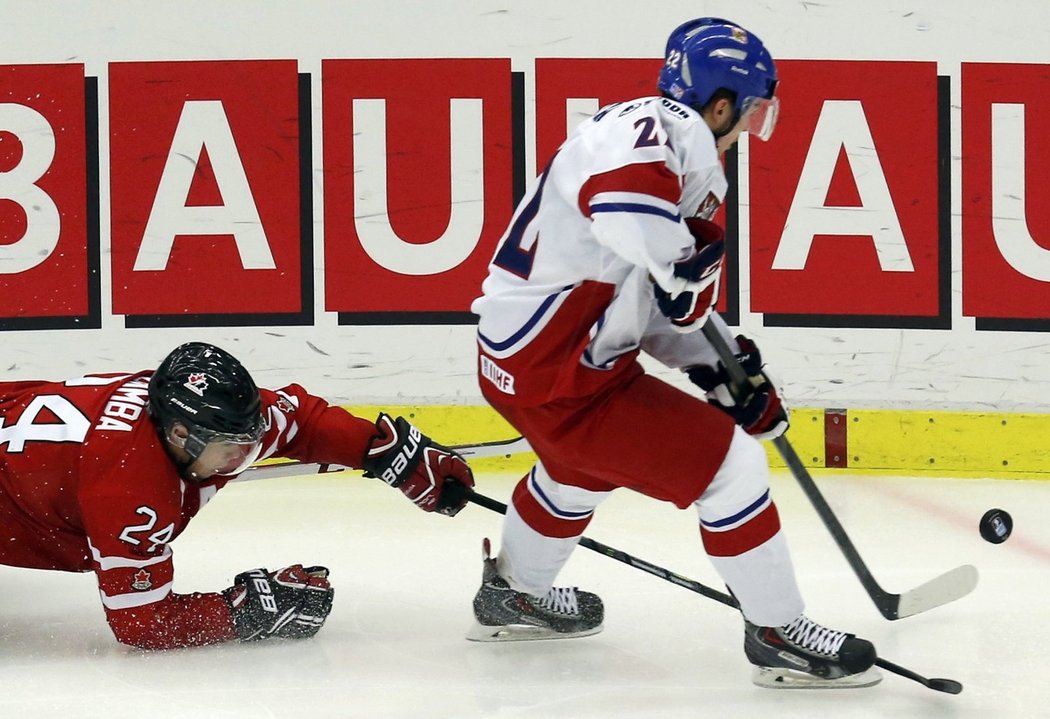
612, 253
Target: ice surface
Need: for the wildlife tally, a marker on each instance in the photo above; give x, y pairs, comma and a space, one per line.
394, 645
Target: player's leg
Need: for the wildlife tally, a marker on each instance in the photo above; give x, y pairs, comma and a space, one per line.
544, 522
517, 599
741, 533
588, 446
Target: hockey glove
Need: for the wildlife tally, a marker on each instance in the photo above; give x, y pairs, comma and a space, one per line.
759, 411
434, 477
696, 279
291, 603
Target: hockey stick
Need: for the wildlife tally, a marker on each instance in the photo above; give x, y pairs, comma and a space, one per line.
518, 444
291, 468
949, 686
948, 587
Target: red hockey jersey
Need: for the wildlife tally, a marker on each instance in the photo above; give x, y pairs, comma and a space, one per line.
85, 484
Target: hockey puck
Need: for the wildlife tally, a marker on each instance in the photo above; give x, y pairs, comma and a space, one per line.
996, 525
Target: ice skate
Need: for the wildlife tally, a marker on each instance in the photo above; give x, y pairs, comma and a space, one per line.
504, 614
806, 655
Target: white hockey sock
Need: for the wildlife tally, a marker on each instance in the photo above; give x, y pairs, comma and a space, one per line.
528, 560
763, 580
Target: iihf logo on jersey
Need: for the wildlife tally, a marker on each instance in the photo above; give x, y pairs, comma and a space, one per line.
498, 376
142, 580
197, 382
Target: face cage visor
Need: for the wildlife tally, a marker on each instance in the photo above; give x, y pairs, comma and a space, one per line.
760, 116
229, 453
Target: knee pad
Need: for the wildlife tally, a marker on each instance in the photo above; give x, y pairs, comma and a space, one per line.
554, 509
737, 496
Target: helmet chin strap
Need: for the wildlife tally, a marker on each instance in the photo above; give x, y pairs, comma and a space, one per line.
181, 465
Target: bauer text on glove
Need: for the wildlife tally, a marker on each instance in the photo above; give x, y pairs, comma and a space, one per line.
432, 476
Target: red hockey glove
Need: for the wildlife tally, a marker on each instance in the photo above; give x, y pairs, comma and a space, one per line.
760, 411
432, 476
291, 603
697, 279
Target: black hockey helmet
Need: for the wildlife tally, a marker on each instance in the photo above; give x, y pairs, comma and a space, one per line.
207, 390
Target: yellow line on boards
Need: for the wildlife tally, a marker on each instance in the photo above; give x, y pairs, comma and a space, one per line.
879, 441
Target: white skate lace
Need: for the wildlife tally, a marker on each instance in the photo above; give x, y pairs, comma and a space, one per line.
810, 635
561, 599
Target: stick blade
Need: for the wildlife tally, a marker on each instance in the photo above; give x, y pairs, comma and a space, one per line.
948, 686
948, 587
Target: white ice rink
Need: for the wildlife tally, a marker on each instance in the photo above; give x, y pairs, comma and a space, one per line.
394, 644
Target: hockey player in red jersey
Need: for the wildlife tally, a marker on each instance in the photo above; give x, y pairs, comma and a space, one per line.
101, 473
611, 253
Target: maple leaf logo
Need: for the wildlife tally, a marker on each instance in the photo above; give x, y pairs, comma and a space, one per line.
142, 580
197, 382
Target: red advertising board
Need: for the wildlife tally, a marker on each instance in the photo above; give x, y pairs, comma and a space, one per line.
607, 80
844, 199
205, 188
211, 189
46, 269
417, 184
1006, 191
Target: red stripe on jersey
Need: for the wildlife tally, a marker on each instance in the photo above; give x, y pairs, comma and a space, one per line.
539, 517
646, 178
133, 580
753, 533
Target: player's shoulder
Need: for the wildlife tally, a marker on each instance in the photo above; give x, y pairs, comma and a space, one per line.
124, 450
653, 125
664, 112
687, 133
626, 115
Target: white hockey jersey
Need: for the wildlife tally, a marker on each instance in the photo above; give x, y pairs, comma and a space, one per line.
568, 302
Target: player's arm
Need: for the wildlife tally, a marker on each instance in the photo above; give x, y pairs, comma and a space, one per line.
290, 603
636, 211
306, 427
128, 533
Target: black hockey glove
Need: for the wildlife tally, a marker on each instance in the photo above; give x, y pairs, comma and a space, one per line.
760, 411
290, 603
434, 477
696, 279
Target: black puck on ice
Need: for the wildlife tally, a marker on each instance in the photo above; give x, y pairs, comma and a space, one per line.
996, 526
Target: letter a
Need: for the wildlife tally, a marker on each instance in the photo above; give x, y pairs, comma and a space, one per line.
842, 124
203, 123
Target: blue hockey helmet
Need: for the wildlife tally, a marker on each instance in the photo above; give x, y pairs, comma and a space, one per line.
709, 54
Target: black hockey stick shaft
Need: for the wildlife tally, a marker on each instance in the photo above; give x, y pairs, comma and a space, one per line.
887, 603
949, 686
621, 556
